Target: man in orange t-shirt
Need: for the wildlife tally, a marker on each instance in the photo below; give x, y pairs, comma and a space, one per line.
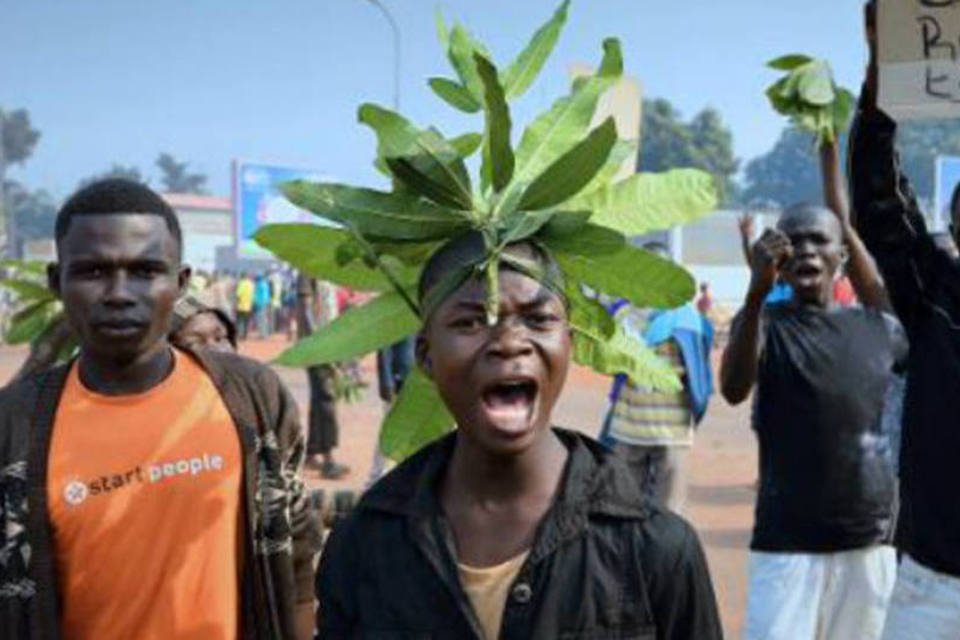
168, 499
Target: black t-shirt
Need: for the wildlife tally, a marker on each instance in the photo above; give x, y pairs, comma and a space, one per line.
826, 482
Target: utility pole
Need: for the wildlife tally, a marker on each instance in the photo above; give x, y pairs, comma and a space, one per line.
396, 50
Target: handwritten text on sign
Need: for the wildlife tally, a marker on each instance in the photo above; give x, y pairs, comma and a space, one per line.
919, 56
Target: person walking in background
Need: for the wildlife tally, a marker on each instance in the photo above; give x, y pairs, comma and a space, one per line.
288, 302
276, 281
261, 306
705, 301
197, 325
818, 568
176, 472
244, 296
924, 282
653, 430
324, 429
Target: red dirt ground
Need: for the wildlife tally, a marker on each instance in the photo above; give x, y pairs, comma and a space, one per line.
723, 462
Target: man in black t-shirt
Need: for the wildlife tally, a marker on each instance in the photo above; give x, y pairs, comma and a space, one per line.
818, 568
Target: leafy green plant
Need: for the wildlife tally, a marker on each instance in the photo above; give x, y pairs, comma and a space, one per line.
348, 382
555, 189
37, 318
808, 95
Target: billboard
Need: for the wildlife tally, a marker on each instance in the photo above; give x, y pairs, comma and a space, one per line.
257, 200
947, 180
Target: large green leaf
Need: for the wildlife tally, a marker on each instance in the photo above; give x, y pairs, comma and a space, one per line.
565, 224
413, 254
816, 83
523, 71
462, 48
623, 150
587, 312
651, 201
622, 354
417, 182
27, 289
523, 224
789, 62
427, 152
467, 144
394, 216
642, 277
383, 321
314, 251
454, 94
556, 131
573, 170
417, 417
582, 237
497, 166
443, 33
31, 321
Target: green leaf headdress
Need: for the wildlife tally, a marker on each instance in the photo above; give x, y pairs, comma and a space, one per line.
556, 189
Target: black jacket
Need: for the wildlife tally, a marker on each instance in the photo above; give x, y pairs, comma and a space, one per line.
924, 284
605, 563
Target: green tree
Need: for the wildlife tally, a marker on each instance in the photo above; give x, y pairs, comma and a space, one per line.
35, 212
706, 143
787, 174
176, 179
18, 139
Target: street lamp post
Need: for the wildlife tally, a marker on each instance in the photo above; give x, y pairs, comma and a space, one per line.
396, 50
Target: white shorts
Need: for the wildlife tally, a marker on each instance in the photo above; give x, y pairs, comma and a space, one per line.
819, 596
925, 604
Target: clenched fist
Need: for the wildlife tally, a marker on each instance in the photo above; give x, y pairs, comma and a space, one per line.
768, 256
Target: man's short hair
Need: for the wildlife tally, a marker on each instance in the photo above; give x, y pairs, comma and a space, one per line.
119, 196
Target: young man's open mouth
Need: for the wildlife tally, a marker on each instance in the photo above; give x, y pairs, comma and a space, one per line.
509, 403
807, 274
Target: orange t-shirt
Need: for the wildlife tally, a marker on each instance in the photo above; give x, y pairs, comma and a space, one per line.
144, 494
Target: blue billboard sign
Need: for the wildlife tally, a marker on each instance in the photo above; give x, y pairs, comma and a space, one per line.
257, 200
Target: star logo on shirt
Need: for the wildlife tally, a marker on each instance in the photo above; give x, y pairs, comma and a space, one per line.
75, 493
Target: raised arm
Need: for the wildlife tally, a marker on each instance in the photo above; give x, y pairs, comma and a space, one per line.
885, 210
862, 269
738, 370
745, 226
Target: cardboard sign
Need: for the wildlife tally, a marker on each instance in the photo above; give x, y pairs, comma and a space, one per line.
919, 58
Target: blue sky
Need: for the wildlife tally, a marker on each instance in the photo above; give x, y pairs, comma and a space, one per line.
210, 80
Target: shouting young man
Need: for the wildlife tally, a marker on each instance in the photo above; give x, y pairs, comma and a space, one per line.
818, 568
509, 528
924, 282
147, 491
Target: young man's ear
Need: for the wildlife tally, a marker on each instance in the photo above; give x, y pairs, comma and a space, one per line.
53, 278
422, 353
183, 279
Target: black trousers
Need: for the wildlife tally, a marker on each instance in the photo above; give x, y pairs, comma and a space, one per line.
324, 430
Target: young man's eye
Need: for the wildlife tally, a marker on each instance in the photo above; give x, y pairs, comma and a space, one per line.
542, 319
468, 322
91, 272
147, 271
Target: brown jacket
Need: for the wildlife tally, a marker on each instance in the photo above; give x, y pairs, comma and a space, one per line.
281, 536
